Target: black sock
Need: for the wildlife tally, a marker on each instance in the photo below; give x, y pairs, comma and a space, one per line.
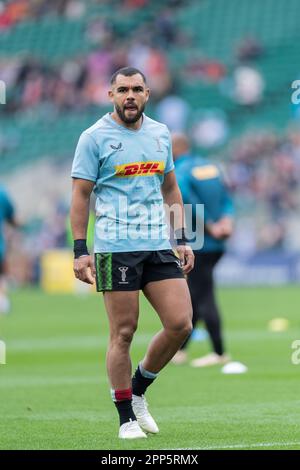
140, 383
125, 411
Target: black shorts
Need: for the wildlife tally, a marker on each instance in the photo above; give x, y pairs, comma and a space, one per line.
132, 270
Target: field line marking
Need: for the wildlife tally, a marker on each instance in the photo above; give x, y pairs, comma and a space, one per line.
243, 445
46, 382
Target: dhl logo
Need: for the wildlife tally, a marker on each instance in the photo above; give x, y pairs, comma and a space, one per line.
140, 169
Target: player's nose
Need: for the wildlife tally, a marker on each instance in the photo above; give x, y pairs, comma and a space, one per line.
130, 94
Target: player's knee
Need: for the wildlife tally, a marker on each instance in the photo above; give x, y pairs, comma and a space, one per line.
182, 329
188, 328
125, 335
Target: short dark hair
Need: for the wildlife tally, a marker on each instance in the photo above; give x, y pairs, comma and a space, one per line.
127, 72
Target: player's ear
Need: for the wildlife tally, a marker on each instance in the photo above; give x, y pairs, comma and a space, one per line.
147, 94
110, 95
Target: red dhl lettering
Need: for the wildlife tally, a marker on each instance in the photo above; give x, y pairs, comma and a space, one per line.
131, 170
140, 169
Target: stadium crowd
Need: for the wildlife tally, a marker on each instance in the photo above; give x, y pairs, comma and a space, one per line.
264, 172
262, 167
15, 11
82, 81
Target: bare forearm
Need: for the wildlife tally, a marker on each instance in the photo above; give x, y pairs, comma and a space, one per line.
173, 199
79, 215
79, 218
221, 229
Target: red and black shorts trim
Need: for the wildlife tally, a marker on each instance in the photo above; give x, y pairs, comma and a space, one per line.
132, 270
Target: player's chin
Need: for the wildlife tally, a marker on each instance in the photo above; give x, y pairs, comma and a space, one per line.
131, 119
131, 113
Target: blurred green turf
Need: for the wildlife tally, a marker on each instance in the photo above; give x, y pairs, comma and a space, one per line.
54, 392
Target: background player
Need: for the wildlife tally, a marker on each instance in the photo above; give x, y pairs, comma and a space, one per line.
127, 158
201, 182
7, 214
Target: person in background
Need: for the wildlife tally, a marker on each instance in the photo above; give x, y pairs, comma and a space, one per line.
7, 214
201, 182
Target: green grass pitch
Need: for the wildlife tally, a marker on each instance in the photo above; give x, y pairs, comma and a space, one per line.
54, 392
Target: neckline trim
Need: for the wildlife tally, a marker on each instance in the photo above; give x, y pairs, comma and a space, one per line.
126, 129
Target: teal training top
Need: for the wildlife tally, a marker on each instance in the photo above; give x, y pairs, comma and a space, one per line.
201, 182
6, 214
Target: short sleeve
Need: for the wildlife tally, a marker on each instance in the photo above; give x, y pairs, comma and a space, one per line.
170, 162
86, 159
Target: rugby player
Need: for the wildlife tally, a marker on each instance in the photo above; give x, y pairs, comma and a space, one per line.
126, 158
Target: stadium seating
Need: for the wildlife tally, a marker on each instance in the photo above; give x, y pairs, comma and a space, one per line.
213, 30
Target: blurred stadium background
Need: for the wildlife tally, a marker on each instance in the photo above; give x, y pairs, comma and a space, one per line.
220, 70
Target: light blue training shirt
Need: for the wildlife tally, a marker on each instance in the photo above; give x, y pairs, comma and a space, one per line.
128, 168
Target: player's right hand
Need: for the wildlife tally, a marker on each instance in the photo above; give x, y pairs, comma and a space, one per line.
84, 269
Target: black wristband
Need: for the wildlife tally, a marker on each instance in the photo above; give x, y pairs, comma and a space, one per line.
80, 248
180, 236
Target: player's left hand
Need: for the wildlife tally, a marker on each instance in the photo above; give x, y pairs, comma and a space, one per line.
84, 269
186, 257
